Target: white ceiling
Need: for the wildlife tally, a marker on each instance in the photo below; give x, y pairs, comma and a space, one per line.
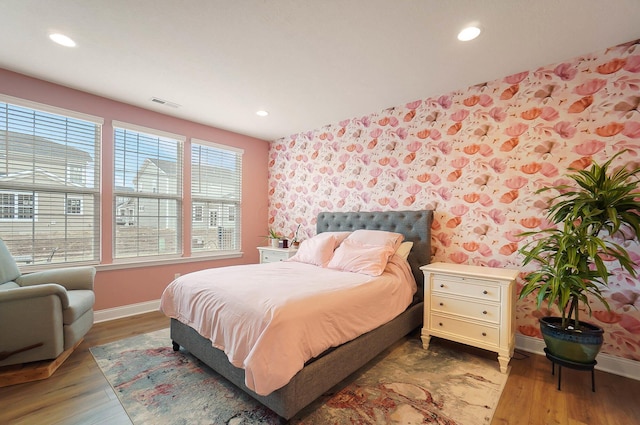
308, 62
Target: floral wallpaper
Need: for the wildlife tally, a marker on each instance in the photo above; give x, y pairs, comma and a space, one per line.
476, 156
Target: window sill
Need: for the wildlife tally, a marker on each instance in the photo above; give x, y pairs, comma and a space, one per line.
129, 264
132, 263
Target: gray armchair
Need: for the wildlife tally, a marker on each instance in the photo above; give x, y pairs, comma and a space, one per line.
42, 314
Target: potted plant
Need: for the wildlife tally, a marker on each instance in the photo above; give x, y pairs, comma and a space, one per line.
295, 243
572, 256
274, 237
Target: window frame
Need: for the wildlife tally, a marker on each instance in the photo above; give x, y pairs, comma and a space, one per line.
141, 198
218, 206
33, 122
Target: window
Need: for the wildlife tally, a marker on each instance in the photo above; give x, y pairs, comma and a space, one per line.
49, 182
74, 206
231, 213
213, 218
75, 174
25, 206
216, 185
198, 213
17, 206
147, 192
7, 206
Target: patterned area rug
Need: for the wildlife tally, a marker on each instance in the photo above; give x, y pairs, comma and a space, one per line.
404, 385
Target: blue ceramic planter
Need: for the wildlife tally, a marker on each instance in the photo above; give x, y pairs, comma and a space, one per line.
580, 346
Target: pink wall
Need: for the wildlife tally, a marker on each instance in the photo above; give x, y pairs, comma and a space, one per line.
134, 285
477, 156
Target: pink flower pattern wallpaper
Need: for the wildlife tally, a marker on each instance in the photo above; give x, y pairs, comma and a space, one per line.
476, 156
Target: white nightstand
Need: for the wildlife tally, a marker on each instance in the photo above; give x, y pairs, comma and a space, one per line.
471, 304
269, 254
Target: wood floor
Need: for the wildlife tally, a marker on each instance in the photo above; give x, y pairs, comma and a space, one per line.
78, 393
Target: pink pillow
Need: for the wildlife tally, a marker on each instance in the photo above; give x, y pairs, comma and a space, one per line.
356, 257
340, 236
377, 237
318, 250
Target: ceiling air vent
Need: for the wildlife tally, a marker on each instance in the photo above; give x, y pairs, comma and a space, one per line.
164, 102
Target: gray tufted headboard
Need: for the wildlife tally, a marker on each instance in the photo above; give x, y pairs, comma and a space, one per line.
414, 225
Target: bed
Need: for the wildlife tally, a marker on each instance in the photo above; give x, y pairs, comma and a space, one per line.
331, 367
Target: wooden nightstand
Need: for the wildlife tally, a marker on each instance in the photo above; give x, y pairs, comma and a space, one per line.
471, 304
269, 254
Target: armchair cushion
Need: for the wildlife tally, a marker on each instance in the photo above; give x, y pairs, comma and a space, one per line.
70, 277
8, 285
80, 301
8, 268
31, 292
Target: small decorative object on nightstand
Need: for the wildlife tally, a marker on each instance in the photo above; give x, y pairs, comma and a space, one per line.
269, 254
472, 305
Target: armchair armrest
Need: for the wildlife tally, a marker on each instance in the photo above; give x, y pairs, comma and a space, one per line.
29, 292
69, 277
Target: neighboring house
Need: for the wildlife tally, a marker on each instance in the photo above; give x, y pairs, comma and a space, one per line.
41, 190
214, 203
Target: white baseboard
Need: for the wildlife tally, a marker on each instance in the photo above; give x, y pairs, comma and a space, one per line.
606, 362
125, 311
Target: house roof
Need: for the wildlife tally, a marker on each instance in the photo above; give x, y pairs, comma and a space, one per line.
47, 151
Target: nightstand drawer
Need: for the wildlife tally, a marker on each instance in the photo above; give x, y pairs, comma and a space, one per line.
272, 255
467, 308
468, 330
465, 286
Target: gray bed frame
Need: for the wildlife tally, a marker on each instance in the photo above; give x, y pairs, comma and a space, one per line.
326, 371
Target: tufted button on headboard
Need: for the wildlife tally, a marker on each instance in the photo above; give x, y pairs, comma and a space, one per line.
414, 225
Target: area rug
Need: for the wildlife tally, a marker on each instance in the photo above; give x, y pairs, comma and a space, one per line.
404, 385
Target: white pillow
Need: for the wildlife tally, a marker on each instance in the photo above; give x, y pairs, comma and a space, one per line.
377, 237
404, 249
357, 257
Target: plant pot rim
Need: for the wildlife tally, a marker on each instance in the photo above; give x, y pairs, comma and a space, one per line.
554, 322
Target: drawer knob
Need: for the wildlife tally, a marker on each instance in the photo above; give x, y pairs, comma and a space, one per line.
442, 285
440, 324
485, 292
484, 334
441, 304
484, 312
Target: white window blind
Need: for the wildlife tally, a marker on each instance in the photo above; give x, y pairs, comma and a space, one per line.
49, 183
147, 192
216, 189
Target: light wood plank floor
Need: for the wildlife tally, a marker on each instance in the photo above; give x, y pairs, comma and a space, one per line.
78, 393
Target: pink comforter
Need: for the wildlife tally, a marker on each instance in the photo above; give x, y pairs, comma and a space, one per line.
271, 318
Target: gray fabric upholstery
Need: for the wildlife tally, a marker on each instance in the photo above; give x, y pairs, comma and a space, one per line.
8, 268
80, 302
8, 285
323, 373
53, 308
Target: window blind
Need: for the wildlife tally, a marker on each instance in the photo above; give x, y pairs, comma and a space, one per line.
49, 183
147, 192
216, 195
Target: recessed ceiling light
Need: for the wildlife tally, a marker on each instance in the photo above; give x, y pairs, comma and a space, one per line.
262, 113
62, 40
469, 33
